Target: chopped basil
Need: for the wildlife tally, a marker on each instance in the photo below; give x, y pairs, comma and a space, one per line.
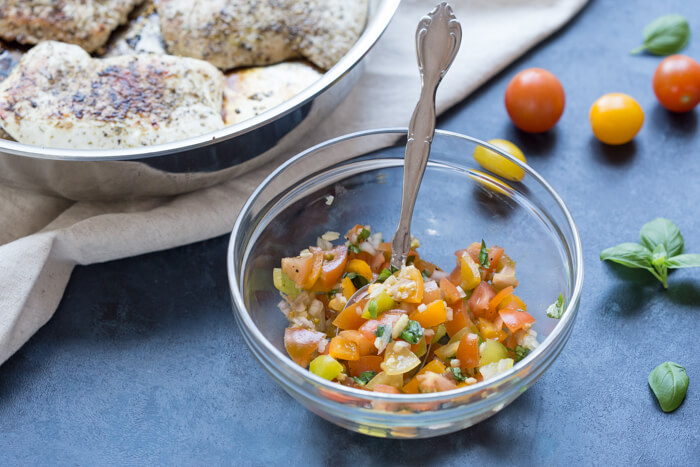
372, 308
381, 329
357, 280
425, 273
354, 248
394, 269
413, 332
363, 235
556, 309
457, 374
521, 352
484, 255
384, 275
365, 377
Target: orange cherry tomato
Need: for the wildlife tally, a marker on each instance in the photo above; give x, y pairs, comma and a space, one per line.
616, 118
677, 83
535, 100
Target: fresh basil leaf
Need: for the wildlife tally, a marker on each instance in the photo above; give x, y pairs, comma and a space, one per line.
556, 309
384, 275
683, 261
665, 35
662, 231
484, 255
632, 255
413, 332
521, 352
354, 248
669, 381
457, 374
357, 280
365, 377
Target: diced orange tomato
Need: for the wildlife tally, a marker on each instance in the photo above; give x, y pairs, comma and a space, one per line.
498, 298
514, 303
489, 331
449, 291
385, 388
480, 299
415, 275
459, 319
302, 344
364, 345
349, 288
434, 314
343, 349
468, 351
495, 254
376, 262
385, 248
431, 292
436, 366
389, 317
456, 275
303, 270
360, 268
332, 269
474, 249
350, 318
366, 363
516, 320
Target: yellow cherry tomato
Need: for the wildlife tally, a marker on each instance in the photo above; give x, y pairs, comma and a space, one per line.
616, 118
498, 164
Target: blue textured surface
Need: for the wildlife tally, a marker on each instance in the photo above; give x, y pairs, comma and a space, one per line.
143, 363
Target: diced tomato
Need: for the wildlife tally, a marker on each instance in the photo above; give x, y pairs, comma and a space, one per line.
474, 249
495, 254
436, 366
415, 275
385, 388
468, 351
449, 291
366, 363
498, 298
480, 299
302, 344
489, 330
516, 320
386, 406
389, 317
350, 318
459, 319
343, 349
431, 292
332, 269
303, 270
434, 314
364, 345
513, 302
456, 275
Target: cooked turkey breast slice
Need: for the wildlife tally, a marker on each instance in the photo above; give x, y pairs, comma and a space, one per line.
58, 96
87, 23
233, 33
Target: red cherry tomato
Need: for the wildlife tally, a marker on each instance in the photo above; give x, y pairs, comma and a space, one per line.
677, 83
535, 100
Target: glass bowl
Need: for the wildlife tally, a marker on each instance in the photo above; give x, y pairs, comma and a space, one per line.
357, 179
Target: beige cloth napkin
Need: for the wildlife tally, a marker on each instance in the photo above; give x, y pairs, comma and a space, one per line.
42, 237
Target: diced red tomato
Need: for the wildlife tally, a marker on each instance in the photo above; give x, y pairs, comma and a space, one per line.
366, 363
480, 299
302, 344
516, 320
459, 319
303, 270
468, 351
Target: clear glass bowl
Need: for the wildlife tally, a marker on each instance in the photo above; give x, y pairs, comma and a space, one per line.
457, 205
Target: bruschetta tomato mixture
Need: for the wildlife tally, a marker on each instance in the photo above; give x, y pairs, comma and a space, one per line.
417, 329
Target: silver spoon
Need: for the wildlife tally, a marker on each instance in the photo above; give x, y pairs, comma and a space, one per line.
437, 41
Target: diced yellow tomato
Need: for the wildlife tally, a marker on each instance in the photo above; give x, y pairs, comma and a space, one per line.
468, 351
349, 288
516, 320
381, 303
334, 262
343, 349
492, 352
471, 276
398, 359
326, 367
489, 331
349, 318
449, 291
383, 378
364, 345
436, 366
434, 314
360, 268
414, 274
447, 351
366, 363
419, 348
431, 292
302, 344
480, 299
